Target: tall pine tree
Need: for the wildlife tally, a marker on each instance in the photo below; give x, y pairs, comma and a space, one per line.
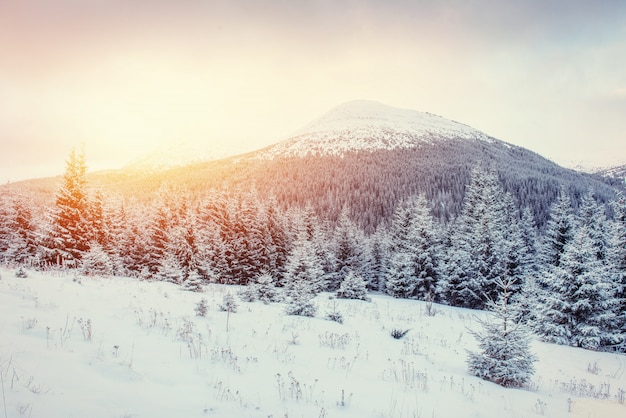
70, 235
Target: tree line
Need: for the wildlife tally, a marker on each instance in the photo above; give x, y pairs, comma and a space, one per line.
568, 278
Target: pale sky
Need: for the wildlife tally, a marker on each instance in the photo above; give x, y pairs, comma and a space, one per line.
123, 76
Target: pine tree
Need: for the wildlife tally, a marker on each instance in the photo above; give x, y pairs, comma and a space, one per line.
96, 262
193, 281
6, 230
580, 305
412, 268
263, 288
477, 254
70, 221
375, 260
592, 216
22, 238
300, 299
304, 265
348, 252
170, 270
353, 287
229, 304
274, 239
505, 356
617, 264
559, 231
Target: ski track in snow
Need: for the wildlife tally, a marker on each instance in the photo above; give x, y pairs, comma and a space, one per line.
119, 347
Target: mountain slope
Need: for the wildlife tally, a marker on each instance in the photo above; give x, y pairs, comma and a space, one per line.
370, 126
614, 175
368, 157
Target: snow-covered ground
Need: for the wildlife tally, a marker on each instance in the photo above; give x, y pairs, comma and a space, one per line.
115, 347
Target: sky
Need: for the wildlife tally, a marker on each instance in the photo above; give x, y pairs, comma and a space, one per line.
123, 77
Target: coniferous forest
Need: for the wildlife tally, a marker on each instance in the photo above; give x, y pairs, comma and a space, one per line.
564, 265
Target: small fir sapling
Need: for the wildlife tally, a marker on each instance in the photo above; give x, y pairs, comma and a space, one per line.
301, 300
21, 273
193, 282
353, 287
262, 289
229, 304
201, 307
335, 315
505, 356
96, 262
266, 288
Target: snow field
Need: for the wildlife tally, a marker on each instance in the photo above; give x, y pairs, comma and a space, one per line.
116, 347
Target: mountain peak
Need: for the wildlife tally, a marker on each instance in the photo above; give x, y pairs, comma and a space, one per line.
365, 125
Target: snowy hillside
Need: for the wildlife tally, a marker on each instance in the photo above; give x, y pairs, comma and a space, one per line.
117, 347
368, 125
618, 173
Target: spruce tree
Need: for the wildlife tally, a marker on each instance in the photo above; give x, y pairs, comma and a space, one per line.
592, 216
96, 262
23, 239
70, 234
412, 268
559, 231
477, 254
617, 263
505, 356
304, 265
580, 305
353, 287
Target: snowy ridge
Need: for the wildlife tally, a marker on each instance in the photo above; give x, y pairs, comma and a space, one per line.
364, 125
614, 172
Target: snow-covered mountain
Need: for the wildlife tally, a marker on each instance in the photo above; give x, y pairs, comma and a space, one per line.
364, 125
617, 173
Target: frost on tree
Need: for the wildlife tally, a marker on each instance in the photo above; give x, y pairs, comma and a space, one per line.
262, 288
412, 267
70, 234
579, 307
504, 356
617, 256
96, 262
353, 287
479, 250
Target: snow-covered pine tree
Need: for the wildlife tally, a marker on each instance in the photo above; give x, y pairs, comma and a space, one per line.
23, 236
529, 235
375, 259
348, 249
412, 268
193, 281
96, 262
265, 288
617, 263
580, 306
592, 215
304, 265
476, 256
133, 245
505, 357
170, 270
300, 299
69, 234
164, 215
559, 231
274, 237
229, 303
353, 287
